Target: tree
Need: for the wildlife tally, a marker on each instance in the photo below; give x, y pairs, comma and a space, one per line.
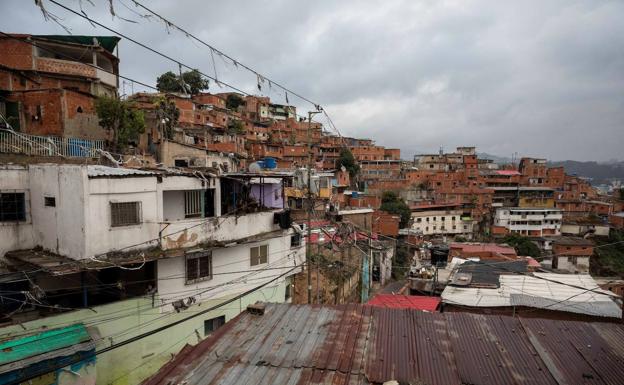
191, 82
393, 204
622, 193
347, 160
235, 127
522, 245
119, 116
233, 101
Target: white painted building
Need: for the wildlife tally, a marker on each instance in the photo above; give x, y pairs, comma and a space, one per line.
160, 239
442, 222
529, 221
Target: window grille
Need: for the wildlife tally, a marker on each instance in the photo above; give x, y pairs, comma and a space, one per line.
192, 203
198, 267
125, 213
12, 207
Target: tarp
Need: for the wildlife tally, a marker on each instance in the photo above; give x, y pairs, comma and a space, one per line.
50, 340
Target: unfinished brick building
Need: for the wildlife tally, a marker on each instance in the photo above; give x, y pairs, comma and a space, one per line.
48, 84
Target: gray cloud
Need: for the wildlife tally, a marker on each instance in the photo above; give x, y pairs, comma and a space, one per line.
538, 78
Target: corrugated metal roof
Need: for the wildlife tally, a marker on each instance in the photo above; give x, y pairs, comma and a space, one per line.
99, 170
540, 292
355, 344
416, 302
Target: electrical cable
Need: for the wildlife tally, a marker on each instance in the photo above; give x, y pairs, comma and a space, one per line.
52, 368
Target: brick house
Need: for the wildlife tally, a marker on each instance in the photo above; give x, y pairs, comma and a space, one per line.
48, 84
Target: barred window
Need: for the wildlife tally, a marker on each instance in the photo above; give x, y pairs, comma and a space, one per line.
192, 203
125, 213
198, 267
12, 207
259, 255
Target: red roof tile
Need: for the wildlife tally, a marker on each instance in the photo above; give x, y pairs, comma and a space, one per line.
417, 302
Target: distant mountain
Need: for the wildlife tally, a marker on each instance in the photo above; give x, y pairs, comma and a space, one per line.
495, 158
599, 173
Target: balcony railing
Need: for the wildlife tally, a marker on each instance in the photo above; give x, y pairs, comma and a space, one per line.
17, 143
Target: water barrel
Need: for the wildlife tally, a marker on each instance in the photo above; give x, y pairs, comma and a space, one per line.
270, 163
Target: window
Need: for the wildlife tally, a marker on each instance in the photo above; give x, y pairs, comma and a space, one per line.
192, 203
295, 240
210, 325
125, 213
259, 255
180, 163
198, 266
12, 207
418, 220
49, 201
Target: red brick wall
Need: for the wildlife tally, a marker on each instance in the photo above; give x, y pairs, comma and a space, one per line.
386, 224
16, 54
573, 250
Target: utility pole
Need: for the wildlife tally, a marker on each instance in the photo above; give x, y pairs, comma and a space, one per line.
310, 207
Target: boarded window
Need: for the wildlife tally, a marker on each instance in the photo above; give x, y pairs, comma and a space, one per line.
198, 267
192, 203
125, 213
12, 207
259, 255
210, 325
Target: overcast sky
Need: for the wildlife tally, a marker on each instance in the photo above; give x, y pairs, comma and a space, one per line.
540, 78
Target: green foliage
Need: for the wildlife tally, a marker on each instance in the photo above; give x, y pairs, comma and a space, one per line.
233, 101
236, 127
393, 204
193, 80
347, 160
119, 116
608, 258
401, 259
523, 245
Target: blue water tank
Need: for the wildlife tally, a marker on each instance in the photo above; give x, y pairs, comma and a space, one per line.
260, 163
270, 163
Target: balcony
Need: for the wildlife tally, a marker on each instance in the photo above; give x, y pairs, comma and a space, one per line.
218, 230
74, 68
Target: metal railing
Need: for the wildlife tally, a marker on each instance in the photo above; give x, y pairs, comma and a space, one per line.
17, 143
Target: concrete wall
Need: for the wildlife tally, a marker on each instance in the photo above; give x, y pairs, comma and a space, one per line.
101, 236
60, 229
432, 222
227, 264
15, 236
271, 194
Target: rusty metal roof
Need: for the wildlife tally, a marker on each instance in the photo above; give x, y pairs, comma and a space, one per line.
355, 344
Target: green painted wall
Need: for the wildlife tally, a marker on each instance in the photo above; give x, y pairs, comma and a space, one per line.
119, 321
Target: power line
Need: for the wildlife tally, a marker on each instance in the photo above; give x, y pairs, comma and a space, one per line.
71, 58
221, 53
188, 293
33, 375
